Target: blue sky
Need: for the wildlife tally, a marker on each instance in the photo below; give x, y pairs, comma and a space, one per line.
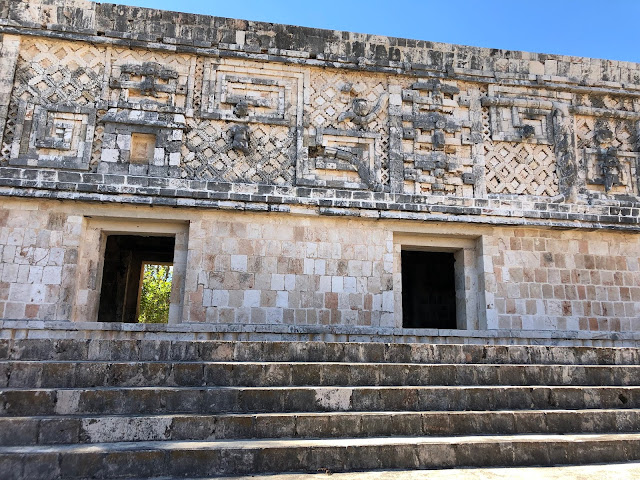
590, 28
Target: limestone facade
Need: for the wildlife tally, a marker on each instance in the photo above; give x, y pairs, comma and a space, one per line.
293, 166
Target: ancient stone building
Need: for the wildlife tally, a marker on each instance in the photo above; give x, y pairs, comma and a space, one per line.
310, 184
385, 253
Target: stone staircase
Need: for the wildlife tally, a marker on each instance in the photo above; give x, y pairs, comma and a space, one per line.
144, 408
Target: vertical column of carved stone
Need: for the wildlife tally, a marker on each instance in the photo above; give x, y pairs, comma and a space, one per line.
104, 95
637, 149
103, 104
396, 162
564, 146
188, 104
8, 60
477, 147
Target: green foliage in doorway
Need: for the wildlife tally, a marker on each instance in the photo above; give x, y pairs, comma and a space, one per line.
156, 290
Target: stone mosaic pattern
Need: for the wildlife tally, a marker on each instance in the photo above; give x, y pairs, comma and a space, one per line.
52, 72
114, 109
169, 92
246, 121
518, 141
207, 154
520, 168
609, 148
330, 107
49, 73
437, 137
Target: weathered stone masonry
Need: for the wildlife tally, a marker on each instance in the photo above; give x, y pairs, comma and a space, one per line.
294, 165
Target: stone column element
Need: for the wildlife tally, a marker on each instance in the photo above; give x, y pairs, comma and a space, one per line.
8, 58
477, 147
637, 148
564, 147
396, 162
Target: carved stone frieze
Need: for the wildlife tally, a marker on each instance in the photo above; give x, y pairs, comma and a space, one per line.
58, 136
240, 138
564, 148
436, 138
242, 153
121, 152
607, 142
209, 114
142, 128
144, 81
528, 142
521, 169
352, 104
148, 84
264, 106
520, 120
240, 92
341, 158
362, 112
51, 74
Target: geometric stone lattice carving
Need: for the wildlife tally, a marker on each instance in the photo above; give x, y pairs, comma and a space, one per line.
619, 103
621, 133
51, 72
9, 133
208, 153
198, 78
332, 95
251, 123
521, 168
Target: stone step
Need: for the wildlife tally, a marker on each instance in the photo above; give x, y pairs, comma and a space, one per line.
74, 374
54, 430
239, 457
607, 471
166, 350
152, 400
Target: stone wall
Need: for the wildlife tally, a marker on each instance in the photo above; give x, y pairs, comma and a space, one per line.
39, 251
283, 269
300, 163
566, 280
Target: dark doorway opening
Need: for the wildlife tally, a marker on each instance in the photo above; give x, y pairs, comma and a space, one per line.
428, 290
124, 259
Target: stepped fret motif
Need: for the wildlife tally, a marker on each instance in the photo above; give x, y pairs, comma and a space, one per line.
341, 104
437, 138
